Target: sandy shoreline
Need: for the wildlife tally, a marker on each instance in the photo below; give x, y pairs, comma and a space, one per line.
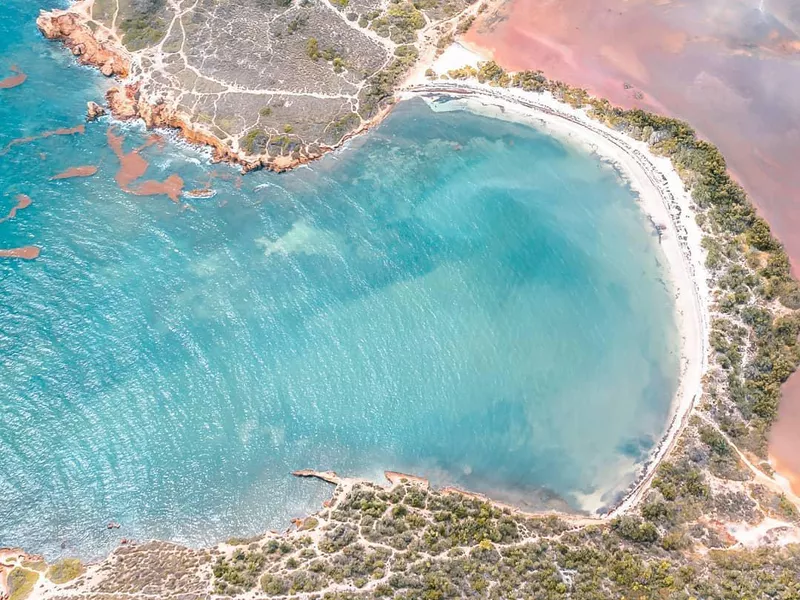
662, 197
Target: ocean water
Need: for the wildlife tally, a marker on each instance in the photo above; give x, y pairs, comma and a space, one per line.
450, 295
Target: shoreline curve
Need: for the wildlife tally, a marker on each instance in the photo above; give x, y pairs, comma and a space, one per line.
664, 201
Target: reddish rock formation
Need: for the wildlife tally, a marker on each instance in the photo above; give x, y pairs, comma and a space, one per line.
94, 111
85, 171
200, 193
24, 252
76, 35
14, 80
127, 102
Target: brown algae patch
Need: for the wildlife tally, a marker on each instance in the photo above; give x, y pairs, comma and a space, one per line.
170, 187
78, 129
13, 80
23, 201
84, 171
24, 252
133, 166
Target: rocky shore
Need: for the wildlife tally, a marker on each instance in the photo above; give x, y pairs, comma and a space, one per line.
140, 92
126, 101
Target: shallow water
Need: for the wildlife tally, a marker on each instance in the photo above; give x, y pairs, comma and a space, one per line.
452, 296
731, 68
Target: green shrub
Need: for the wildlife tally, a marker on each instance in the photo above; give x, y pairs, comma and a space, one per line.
65, 570
634, 529
312, 48
21, 583
142, 31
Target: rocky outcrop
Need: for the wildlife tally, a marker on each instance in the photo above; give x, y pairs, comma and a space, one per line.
76, 35
326, 476
94, 111
129, 100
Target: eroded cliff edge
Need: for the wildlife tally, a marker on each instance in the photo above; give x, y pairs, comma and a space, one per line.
265, 83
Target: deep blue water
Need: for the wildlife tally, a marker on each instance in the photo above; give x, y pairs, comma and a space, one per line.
451, 296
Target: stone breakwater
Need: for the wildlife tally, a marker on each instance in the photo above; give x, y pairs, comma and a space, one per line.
128, 101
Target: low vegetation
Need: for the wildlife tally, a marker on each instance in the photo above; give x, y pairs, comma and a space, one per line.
399, 23
142, 30
407, 542
21, 582
65, 570
380, 89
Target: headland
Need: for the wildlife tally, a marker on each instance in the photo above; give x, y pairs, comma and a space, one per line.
317, 73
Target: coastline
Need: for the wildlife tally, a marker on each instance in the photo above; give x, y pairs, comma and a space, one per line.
662, 198
97, 45
101, 48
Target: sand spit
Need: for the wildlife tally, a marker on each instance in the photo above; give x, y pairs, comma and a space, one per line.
662, 197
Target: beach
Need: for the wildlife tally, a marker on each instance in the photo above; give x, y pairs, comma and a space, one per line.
663, 199
708, 63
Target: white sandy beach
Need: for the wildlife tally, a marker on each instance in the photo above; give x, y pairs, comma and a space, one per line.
662, 197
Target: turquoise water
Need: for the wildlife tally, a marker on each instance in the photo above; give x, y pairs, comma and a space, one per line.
452, 296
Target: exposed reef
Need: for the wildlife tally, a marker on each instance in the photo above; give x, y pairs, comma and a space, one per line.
94, 111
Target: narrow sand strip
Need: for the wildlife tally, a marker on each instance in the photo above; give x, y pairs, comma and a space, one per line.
662, 197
